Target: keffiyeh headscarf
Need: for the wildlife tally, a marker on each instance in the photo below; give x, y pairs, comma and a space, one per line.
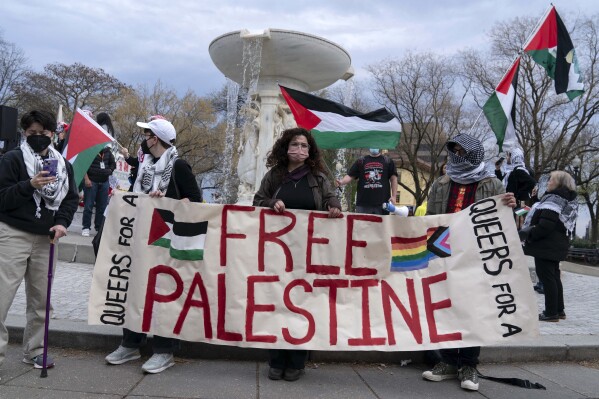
155, 176
52, 193
516, 161
470, 168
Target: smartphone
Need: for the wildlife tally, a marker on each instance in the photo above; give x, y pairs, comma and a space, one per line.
50, 165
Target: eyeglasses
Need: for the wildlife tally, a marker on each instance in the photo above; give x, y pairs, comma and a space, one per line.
304, 146
31, 132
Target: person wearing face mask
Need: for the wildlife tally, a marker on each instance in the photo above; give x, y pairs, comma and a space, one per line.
161, 174
466, 182
96, 188
377, 182
296, 180
33, 203
134, 161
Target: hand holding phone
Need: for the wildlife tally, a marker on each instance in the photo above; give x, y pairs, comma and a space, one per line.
50, 166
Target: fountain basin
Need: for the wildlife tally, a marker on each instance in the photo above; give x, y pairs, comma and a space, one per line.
299, 60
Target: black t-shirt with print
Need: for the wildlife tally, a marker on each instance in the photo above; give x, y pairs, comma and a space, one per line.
373, 174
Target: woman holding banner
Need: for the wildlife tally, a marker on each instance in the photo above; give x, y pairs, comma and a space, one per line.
296, 180
156, 177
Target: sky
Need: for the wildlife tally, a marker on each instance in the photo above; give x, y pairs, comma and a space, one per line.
140, 42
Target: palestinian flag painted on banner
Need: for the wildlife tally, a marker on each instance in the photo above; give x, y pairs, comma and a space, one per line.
334, 125
415, 252
84, 142
185, 241
552, 48
500, 108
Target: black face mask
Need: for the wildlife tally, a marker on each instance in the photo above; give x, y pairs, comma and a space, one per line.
144, 147
39, 143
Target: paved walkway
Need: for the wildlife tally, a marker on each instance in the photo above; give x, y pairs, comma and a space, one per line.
84, 374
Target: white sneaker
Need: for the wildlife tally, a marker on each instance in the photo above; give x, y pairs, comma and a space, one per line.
85, 232
122, 355
158, 363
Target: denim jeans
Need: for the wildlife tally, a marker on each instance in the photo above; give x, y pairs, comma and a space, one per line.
96, 194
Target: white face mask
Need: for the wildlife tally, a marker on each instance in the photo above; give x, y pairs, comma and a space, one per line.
375, 151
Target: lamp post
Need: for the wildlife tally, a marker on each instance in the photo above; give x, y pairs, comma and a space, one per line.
576, 166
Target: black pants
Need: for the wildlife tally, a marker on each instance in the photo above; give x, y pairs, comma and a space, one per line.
287, 359
461, 356
549, 275
132, 339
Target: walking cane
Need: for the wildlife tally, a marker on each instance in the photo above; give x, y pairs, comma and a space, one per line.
44, 373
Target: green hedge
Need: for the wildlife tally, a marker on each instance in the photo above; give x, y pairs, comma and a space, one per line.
581, 243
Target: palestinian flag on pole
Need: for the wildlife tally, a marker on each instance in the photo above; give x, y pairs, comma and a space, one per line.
550, 46
500, 108
185, 241
85, 140
334, 125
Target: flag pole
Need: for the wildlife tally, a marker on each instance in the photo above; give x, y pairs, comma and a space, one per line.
537, 26
476, 121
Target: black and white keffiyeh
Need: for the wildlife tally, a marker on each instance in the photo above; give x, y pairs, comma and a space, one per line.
567, 210
52, 193
516, 162
470, 168
155, 176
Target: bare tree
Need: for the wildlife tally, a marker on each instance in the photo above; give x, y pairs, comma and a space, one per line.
72, 86
13, 67
420, 89
199, 136
551, 130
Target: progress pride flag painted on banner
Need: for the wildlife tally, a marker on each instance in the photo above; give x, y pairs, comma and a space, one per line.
301, 280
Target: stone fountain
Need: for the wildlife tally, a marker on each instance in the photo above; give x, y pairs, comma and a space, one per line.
259, 62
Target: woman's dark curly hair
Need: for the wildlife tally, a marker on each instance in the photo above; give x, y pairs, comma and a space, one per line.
277, 157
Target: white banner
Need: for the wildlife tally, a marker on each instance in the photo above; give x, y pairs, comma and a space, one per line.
246, 276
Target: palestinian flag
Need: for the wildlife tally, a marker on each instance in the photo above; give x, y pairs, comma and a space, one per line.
185, 241
500, 108
334, 125
414, 253
522, 211
84, 141
551, 47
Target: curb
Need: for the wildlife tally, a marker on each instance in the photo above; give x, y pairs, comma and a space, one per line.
79, 335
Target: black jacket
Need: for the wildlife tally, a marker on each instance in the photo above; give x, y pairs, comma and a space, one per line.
521, 184
184, 182
95, 172
17, 206
548, 238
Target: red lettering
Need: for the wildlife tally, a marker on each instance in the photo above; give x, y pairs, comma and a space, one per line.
221, 332
332, 285
311, 268
413, 320
349, 257
189, 302
263, 237
152, 296
366, 338
252, 307
224, 234
430, 307
287, 300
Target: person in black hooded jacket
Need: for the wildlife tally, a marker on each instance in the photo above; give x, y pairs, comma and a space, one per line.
546, 233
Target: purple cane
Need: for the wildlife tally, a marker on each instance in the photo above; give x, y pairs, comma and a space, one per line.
44, 373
